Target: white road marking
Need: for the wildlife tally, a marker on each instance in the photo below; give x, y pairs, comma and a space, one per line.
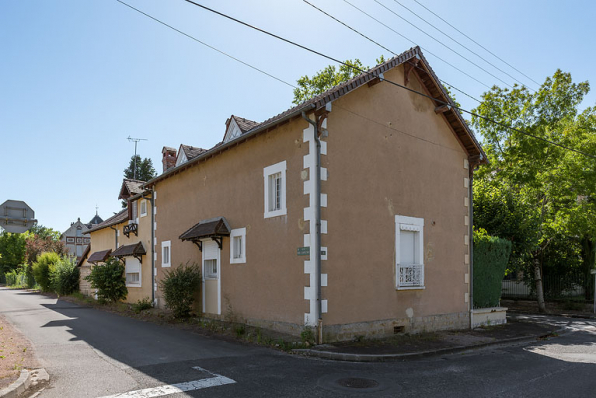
217, 380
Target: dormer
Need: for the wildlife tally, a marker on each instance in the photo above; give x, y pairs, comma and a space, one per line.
236, 126
188, 152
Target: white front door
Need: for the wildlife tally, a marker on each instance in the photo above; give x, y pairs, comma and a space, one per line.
211, 278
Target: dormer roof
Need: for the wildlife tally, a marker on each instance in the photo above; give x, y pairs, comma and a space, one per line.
130, 188
236, 126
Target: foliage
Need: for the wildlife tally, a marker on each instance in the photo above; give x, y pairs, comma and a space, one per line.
16, 279
144, 169
43, 268
307, 335
12, 250
45, 232
327, 78
179, 287
64, 277
142, 305
109, 281
491, 255
554, 187
48, 241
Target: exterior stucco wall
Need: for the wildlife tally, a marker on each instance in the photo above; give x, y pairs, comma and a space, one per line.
390, 154
104, 239
270, 285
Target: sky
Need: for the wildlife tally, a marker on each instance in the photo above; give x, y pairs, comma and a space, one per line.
79, 77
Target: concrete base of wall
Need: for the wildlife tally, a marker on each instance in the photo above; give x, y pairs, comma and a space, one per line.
389, 327
489, 316
372, 329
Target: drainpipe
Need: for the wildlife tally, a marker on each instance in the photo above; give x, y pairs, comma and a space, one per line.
471, 241
317, 255
153, 246
115, 236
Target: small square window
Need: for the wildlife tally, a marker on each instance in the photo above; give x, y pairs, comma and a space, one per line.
275, 190
409, 252
238, 246
166, 254
211, 270
143, 208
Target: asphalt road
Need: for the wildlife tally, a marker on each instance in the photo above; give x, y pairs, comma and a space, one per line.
91, 353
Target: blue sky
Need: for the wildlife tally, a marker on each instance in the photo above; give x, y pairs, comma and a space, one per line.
78, 77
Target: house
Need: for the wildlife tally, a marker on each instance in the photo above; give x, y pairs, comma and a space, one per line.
380, 244
76, 239
127, 236
348, 213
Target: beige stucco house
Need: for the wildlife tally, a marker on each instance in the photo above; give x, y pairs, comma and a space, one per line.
127, 236
373, 240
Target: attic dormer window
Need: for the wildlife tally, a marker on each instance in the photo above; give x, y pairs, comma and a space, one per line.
233, 132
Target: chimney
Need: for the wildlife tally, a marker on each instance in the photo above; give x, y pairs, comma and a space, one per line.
169, 158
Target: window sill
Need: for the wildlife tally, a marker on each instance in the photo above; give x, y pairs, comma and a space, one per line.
277, 213
210, 278
411, 288
238, 261
133, 285
166, 265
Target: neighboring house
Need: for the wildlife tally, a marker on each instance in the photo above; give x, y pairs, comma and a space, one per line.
127, 236
373, 240
76, 239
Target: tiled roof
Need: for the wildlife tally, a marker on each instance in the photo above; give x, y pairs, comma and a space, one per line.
423, 70
133, 186
130, 250
203, 229
245, 124
95, 220
115, 219
191, 151
99, 256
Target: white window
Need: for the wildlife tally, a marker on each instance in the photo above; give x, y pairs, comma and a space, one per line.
275, 190
238, 246
409, 252
143, 208
133, 272
211, 269
166, 254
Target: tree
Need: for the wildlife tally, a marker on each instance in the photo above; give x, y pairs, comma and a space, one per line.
144, 169
109, 281
549, 180
328, 78
12, 251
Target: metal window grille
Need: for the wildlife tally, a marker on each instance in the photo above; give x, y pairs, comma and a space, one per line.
411, 275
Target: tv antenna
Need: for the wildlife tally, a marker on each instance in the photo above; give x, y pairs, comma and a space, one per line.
136, 141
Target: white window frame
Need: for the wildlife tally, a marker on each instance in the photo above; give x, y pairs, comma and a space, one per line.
143, 207
267, 172
136, 284
404, 223
234, 258
166, 244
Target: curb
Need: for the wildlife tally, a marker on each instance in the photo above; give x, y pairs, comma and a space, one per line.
22, 384
342, 356
18, 387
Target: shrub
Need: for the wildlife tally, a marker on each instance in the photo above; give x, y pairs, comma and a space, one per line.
179, 287
64, 277
142, 305
307, 335
491, 255
109, 281
43, 268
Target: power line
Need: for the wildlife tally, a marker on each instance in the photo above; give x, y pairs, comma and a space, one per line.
388, 81
206, 45
443, 44
467, 48
413, 42
383, 47
250, 66
474, 41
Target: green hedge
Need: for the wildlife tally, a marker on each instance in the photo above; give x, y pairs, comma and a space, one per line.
491, 255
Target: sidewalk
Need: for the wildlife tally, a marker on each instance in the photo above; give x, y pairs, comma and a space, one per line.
404, 347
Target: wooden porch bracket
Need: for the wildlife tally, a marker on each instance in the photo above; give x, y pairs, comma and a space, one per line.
408, 66
442, 108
